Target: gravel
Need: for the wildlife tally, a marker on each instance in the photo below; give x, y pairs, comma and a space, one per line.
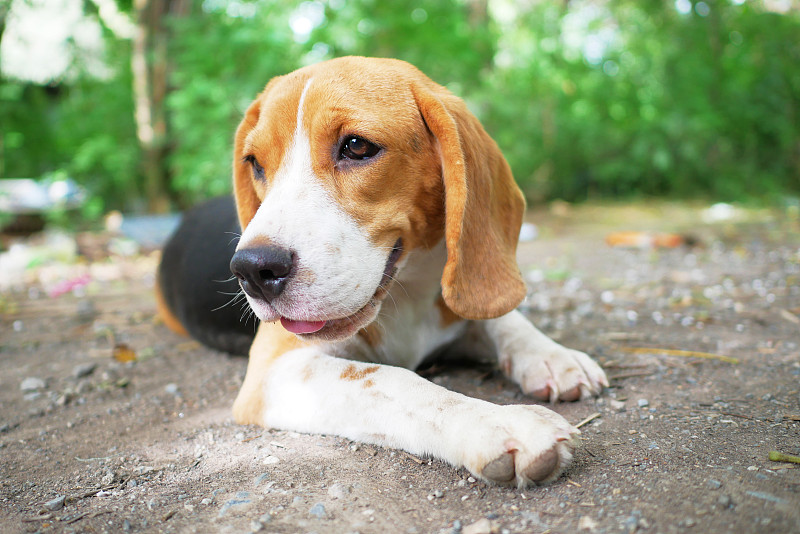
31, 384
174, 461
55, 504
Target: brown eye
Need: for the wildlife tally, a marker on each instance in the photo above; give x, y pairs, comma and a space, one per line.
357, 148
258, 170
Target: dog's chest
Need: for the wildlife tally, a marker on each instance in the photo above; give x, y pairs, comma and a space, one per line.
410, 325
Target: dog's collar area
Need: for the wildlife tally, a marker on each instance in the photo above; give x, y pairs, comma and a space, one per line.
312, 327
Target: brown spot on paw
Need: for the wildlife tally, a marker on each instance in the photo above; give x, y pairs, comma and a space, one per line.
501, 469
351, 372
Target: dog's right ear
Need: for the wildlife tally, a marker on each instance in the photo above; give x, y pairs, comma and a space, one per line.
483, 210
247, 200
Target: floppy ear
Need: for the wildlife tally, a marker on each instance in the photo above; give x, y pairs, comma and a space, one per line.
483, 210
247, 201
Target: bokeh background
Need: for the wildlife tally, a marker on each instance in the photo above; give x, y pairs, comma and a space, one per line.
137, 100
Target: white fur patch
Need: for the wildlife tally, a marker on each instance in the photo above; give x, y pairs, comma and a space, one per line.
338, 269
308, 391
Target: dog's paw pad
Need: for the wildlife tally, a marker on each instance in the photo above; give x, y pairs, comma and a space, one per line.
504, 469
501, 469
544, 468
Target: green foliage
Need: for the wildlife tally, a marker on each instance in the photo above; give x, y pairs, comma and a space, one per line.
586, 99
220, 63
83, 130
678, 104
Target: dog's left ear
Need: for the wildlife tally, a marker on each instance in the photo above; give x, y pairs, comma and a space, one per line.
247, 201
483, 210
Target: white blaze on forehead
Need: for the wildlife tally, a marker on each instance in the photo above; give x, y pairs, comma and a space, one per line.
337, 268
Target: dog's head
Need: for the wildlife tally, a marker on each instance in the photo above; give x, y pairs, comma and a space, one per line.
341, 170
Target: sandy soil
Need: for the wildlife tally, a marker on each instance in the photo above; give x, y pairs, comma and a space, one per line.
679, 443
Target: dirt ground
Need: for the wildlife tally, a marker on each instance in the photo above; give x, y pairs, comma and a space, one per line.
701, 343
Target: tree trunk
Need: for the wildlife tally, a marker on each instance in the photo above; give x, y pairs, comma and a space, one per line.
150, 66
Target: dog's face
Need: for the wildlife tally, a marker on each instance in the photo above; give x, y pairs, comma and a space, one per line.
341, 171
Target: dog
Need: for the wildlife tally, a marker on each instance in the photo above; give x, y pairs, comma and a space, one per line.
379, 225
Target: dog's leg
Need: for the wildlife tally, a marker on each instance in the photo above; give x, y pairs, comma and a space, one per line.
308, 391
543, 368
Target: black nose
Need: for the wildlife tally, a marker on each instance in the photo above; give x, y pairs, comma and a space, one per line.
262, 271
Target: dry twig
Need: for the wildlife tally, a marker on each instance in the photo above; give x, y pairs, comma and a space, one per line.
776, 456
681, 353
588, 419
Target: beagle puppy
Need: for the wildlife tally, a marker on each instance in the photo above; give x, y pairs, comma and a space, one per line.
379, 225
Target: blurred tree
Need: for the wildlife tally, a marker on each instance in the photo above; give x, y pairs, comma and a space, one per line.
680, 98
151, 67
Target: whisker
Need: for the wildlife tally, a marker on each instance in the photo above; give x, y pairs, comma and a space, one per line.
236, 237
236, 297
398, 282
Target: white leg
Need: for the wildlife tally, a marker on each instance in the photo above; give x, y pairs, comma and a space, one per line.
542, 367
308, 391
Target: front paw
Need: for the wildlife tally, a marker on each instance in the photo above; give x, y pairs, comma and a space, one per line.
555, 373
520, 445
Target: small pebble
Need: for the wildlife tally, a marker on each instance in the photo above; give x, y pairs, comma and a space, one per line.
643, 403
318, 511
725, 501
713, 484
338, 491
32, 384
55, 504
84, 369
631, 523
481, 526
172, 389
240, 502
616, 405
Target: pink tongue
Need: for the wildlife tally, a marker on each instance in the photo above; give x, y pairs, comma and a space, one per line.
301, 327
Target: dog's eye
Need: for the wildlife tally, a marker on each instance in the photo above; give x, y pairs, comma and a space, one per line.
357, 148
258, 170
